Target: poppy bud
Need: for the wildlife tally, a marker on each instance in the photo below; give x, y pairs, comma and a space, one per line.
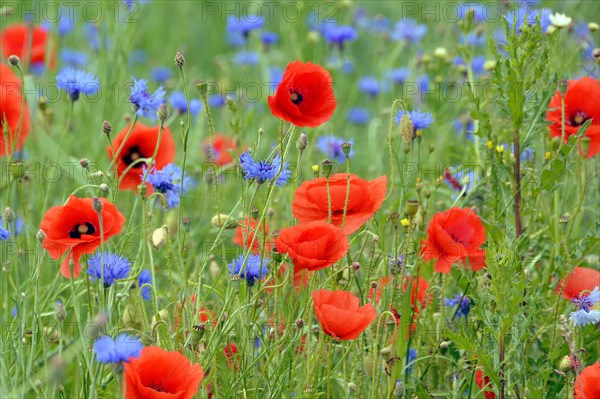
179, 60
14, 60
374, 285
418, 184
9, 215
411, 207
202, 87
346, 149
299, 324
445, 344
97, 204
592, 26
106, 127
355, 266
41, 236
159, 236
220, 221
103, 187
302, 142
327, 168
351, 387
84, 163
565, 364
407, 128
163, 315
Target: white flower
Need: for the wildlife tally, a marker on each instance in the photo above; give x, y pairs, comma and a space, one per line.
560, 20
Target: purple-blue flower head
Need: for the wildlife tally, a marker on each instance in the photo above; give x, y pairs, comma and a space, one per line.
478, 11
421, 120
585, 313
177, 101
464, 305
118, 350
115, 268
409, 30
331, 146
337, 35
358, 116
474, 39
269, 38
4, 234
370, 85
146, 104
216, 100
161, 74
263, 171
74, 58
245, 58
145, 278
254, 269
168, 182
398, 75
76, 81
245, 24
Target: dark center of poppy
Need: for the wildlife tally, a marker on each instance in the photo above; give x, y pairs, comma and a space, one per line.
295, 96
79, 229
579, 118
133, 155
157, 386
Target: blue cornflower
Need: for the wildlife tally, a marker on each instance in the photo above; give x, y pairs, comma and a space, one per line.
4, 234
145, 278
168, 182
370, 85
584, 314
118, 350
91, 31
76, 81
347, 67
177, 101
244, 25
146, 104
115, 268
409, 30
264, 170
421, 120
337, 35
464, 305
395, 263
524, 15
477, 64
472, 39
254, 269
245, 58
423, 83
331, 146
66, 23
398, 75
216, 100
358, 116
269, 38
161, 74
73, 58
14, 312
412, 355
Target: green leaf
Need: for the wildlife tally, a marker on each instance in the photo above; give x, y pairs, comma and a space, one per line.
550, 177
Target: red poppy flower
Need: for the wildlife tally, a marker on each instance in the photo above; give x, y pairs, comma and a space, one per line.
418, 293
244, 234
483, 381
222, 147
75, 228
365, 198
587, 385
582, 279
159, 374
230, 352
312, 246
340, 314
305, 95
141, 144
10, 111
455, 235
582, 102
17, 39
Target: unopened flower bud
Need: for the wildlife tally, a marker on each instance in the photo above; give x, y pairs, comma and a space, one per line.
103, 187
395, 218
17, 169
179, 60
562, 86
489, 65
596, 53
327, 168
9, 215
106, 127
14, 60
275, 255
163, 112
407, 129
43, 103
302, 142
97, 204
346, 147
593, 26
159, 236
411, 207
355, 266
60, 314
84, 163
299, 323
220, 221
565, 364
445, 344
202, 87
40, 236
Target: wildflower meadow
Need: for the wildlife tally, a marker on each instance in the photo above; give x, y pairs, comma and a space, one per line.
300, 199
